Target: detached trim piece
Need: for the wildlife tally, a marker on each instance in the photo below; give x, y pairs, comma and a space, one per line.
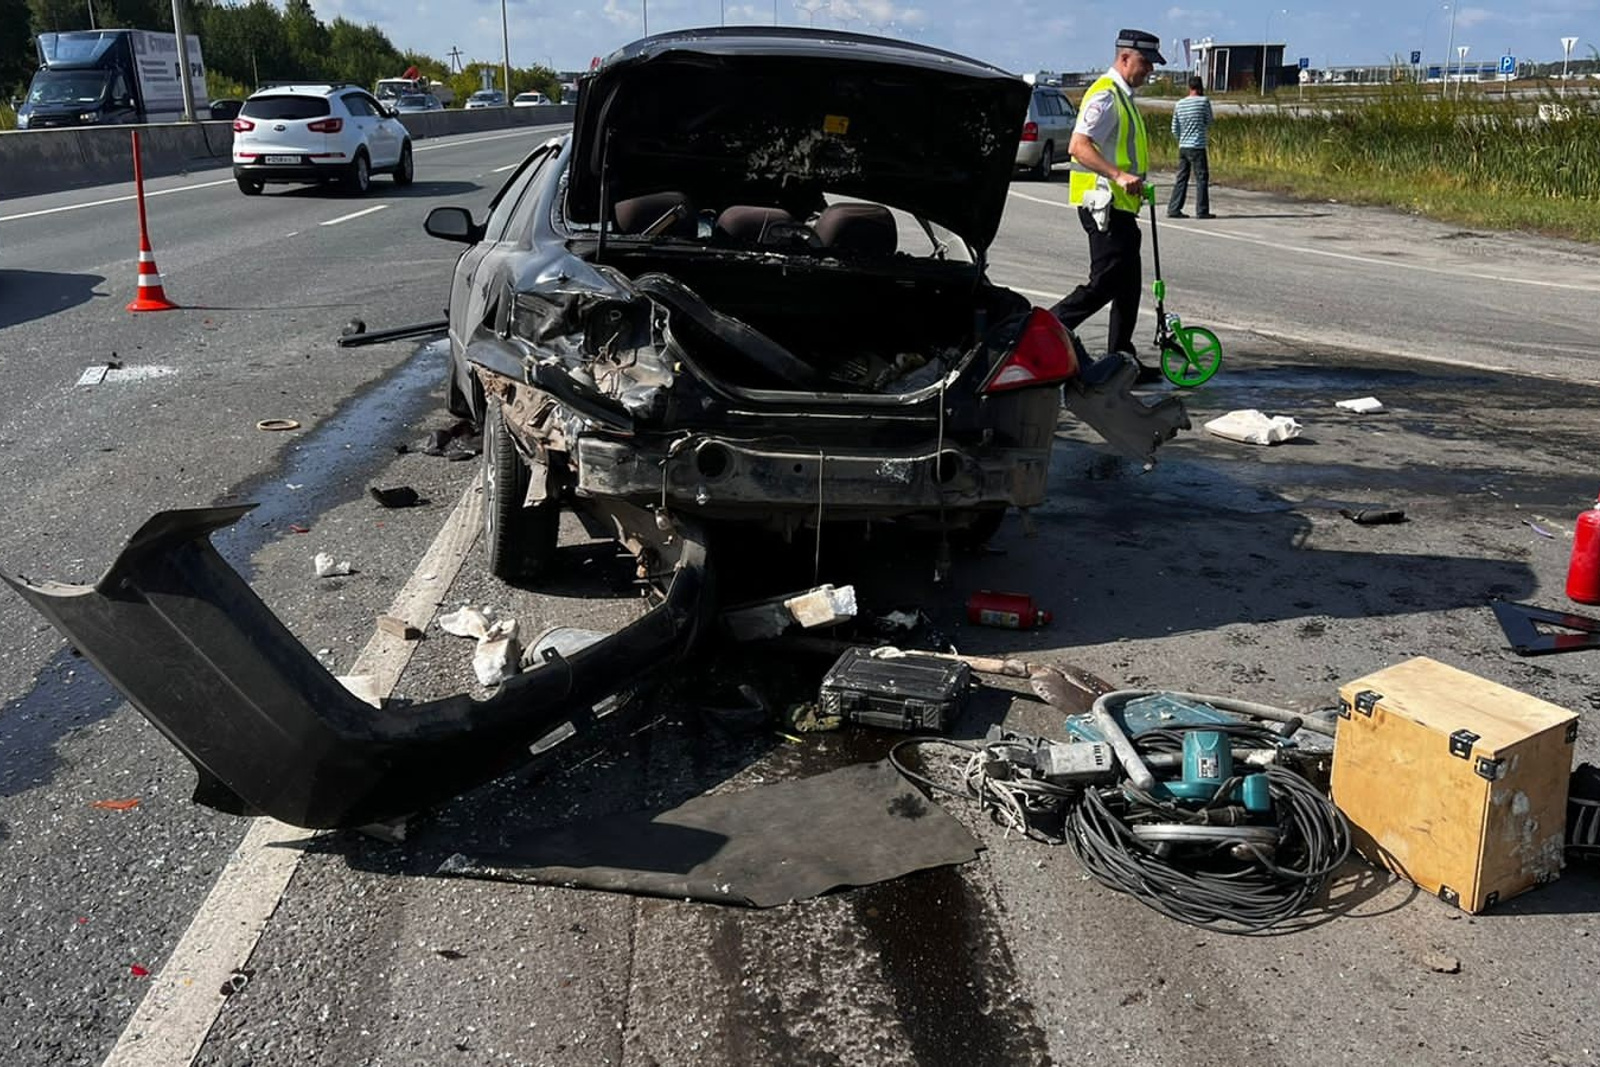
188, 642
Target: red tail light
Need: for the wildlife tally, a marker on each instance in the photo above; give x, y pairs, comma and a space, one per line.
1030, 131
326, 126
243, 125
1044, 355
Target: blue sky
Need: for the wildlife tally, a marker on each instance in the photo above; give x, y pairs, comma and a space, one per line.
1014, 34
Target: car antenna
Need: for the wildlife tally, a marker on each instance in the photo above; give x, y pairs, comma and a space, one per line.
605, 194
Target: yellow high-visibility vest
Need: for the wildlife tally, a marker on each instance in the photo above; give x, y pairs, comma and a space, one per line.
1132, 149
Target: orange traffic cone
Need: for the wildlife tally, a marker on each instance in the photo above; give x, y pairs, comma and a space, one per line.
151, 296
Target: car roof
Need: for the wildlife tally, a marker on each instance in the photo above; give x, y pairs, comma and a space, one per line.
308, 89
803, 41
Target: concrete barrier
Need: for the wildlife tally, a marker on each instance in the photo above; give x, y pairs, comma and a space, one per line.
48, 161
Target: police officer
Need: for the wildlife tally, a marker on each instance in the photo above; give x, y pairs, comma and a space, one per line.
1110, 154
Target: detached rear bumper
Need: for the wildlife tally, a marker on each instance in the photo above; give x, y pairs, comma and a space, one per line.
185, 639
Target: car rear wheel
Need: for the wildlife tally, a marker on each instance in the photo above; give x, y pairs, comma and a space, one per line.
250, 187
1047, 160
520, 541
404, 172
359, 178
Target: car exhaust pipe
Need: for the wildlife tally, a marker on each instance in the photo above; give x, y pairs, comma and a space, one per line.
186, 640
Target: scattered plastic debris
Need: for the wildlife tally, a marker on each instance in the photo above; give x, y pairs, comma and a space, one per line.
295, 527
235, 983
1536, 528
1251, 427
398, 628
498, 654
138, 971
116, 805
327, 568
400, 496
1366, 405
822, 606
1374, 516
271, 425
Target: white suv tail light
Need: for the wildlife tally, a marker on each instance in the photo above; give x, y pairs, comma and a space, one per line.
326, 126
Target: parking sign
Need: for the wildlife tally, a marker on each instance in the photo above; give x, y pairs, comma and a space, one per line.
1305, 61
1508, 64
1416, 57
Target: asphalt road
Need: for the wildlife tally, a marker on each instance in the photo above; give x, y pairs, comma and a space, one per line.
1227, 569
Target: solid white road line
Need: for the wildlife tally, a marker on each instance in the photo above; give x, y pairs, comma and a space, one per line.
229, 181
508, 166
184, 999
111, 200
1372, 261
354, 215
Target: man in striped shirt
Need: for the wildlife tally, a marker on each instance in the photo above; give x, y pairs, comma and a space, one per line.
1191, 119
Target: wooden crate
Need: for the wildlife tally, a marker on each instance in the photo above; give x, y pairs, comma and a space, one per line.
1453, 781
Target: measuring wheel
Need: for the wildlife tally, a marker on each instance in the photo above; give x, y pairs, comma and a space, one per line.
1192, 357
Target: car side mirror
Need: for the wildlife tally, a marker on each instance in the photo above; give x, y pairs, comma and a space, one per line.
453, 224
391, 112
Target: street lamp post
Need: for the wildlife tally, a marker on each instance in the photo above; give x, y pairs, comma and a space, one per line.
1451, 47
1265, 35
644, 6
1567, 44
505, 43
1461, 67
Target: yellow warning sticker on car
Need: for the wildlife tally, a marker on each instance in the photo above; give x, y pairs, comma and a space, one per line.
839, 124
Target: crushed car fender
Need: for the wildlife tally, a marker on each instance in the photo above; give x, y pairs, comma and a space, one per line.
180, 634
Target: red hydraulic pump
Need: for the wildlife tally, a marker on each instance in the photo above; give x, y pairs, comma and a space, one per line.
1583, 573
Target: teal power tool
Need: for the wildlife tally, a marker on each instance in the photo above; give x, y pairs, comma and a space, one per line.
1190, 355
1208, 768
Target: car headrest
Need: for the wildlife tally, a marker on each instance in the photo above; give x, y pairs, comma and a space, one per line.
638, 213
746, 224
864, 228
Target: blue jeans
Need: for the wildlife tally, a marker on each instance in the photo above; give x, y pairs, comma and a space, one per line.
1192, 159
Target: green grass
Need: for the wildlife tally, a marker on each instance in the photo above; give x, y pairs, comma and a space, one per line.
8, 118
1478, 161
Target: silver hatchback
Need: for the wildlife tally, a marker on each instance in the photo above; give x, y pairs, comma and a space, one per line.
1046, 132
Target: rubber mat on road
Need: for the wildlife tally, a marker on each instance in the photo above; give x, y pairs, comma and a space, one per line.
760, 847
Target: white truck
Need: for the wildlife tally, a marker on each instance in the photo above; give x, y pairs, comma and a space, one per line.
390, 90
94, 77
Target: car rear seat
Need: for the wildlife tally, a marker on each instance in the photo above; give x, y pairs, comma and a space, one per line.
866, 229
748, 225
637, 213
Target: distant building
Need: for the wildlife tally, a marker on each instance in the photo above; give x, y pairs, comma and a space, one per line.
1240, 67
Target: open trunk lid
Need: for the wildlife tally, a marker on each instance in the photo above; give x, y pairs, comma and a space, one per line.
778, 116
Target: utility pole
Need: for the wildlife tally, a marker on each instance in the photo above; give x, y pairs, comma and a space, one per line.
1451, 47
505, 40
183, 61
455, 59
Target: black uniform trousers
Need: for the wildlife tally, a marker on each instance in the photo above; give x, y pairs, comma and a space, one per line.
1115, 278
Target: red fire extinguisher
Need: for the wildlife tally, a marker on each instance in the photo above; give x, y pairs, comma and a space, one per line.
1014, 611
1583, 573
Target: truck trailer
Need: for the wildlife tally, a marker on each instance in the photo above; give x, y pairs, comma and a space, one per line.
97, 77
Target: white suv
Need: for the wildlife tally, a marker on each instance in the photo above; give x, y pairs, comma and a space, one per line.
316, 133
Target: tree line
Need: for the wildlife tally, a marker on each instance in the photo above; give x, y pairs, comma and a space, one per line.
246, 44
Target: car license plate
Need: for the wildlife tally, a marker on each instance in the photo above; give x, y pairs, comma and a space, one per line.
283, 159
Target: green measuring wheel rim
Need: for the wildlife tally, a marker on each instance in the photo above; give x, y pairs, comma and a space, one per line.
1192, 358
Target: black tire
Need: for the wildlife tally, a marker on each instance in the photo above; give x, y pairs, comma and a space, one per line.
519, 541
358, 179
1047, 161
405, 170
250, 187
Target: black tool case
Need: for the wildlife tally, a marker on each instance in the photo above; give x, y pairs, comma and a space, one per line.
910, 692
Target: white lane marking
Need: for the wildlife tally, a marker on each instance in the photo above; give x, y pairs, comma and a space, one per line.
508, 166
1224, 235
111, 200
495, 137
354, 215
182, 1003
229, 181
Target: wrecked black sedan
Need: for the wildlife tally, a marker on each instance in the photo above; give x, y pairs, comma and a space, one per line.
750, 287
